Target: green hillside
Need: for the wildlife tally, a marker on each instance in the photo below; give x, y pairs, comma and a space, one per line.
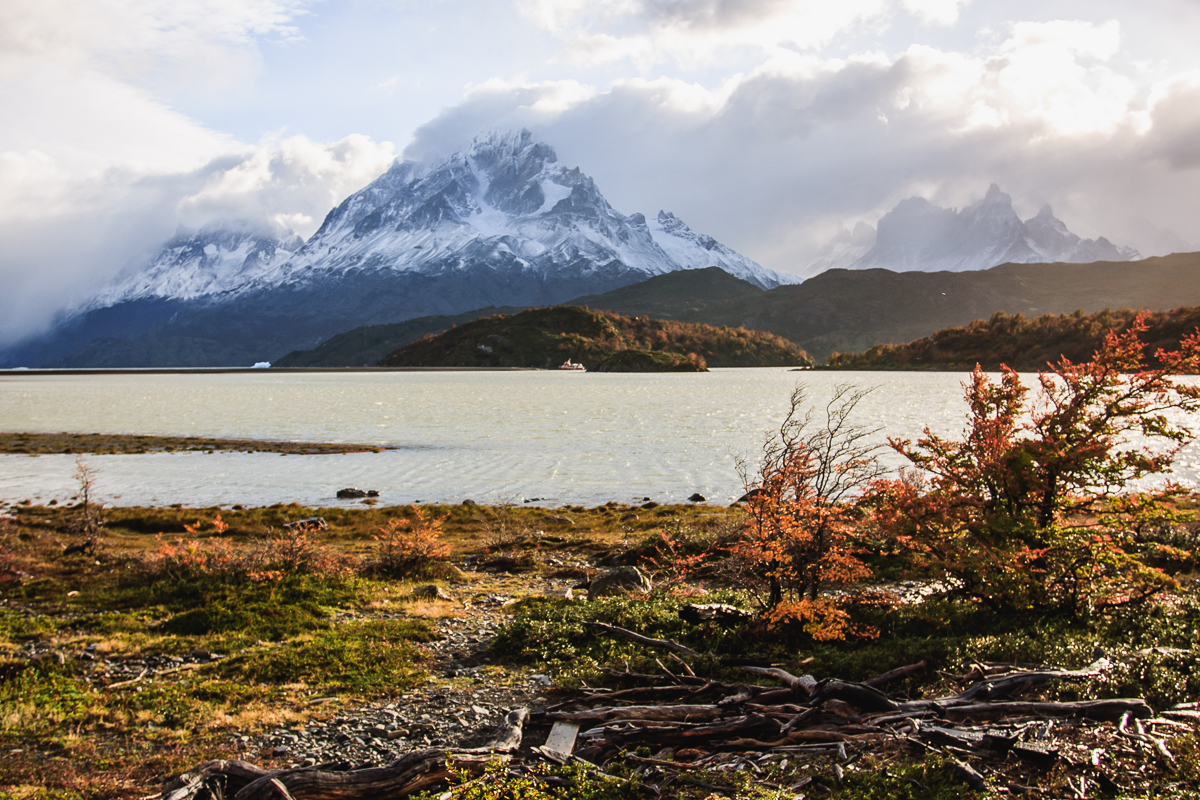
852, 310
365, 346
1021, 343
602, 341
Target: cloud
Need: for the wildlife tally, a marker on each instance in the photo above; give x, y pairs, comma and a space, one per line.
1175, 116
774, 160
698, 32
292, 182
72, 234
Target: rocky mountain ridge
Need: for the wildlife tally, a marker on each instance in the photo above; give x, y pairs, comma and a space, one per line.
917, 235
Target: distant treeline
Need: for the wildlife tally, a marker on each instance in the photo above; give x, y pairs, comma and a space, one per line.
601, 340
1023, 344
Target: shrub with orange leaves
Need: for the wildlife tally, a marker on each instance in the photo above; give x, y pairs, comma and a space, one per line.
1007, 513
799, 537
410, 548
293, 551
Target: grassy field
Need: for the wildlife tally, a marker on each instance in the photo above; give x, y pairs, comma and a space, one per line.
187, 628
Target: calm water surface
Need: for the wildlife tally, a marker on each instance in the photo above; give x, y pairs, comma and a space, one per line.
563, 437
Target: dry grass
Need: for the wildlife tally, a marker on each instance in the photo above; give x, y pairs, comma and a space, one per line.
431, 609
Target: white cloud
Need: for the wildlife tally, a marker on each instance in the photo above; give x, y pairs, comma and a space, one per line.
939, 12
770, 160
695, 31
292, 182
698, 32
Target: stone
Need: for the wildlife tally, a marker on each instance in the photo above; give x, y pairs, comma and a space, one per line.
697, 498
351, 493
432, 592
618, 581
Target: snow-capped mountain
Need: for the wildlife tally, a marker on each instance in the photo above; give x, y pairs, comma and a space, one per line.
917, 235
506, 204
198, 263
503, 223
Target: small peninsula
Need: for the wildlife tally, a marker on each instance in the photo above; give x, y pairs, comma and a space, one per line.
1025, 345
124, 444
543, 338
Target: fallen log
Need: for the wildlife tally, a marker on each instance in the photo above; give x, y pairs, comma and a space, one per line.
899, 672
650, 713
863, 697
1091, 709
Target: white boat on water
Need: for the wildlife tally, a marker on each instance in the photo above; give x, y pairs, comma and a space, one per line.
572, 366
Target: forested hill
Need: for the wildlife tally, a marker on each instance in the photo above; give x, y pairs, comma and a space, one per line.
602, 341
1021, 343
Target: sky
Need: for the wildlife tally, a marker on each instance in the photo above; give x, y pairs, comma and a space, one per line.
768, 124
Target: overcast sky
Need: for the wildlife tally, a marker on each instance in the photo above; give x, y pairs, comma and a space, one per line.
765, 123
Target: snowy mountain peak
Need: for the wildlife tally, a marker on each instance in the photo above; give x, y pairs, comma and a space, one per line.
504, 205
917, 235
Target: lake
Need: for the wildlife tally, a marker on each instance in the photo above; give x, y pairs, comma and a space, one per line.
566, 438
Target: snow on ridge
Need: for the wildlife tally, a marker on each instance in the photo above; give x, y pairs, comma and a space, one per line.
506, 189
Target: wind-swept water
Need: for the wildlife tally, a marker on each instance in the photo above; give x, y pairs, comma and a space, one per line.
563, 437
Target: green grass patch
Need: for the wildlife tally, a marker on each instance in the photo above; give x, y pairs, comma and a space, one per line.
363, 657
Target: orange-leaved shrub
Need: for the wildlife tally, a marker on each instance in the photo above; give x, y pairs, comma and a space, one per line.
411, 548
1008, 514
291, 551
798, 540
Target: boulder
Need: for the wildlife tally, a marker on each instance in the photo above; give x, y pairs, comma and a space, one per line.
697, 498
431, 592
350, 493
621, 580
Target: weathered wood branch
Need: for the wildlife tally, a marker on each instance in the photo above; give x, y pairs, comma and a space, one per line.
899, 672
1090, 709
800, 684
668, 644
680, 713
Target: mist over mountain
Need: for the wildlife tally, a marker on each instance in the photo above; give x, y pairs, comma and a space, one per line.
502, 223
917, 235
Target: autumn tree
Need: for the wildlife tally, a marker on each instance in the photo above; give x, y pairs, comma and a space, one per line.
797, 539
1005, 512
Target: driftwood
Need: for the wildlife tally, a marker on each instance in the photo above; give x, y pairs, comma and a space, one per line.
698, 727
238, 780
412, 772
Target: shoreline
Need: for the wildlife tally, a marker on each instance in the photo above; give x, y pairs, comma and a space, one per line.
227, 370
32, 444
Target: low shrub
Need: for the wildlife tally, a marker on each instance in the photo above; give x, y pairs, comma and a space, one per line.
410, 548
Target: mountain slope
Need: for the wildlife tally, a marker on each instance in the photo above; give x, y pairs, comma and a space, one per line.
851, 310
501, 224
365, 346
662, 297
